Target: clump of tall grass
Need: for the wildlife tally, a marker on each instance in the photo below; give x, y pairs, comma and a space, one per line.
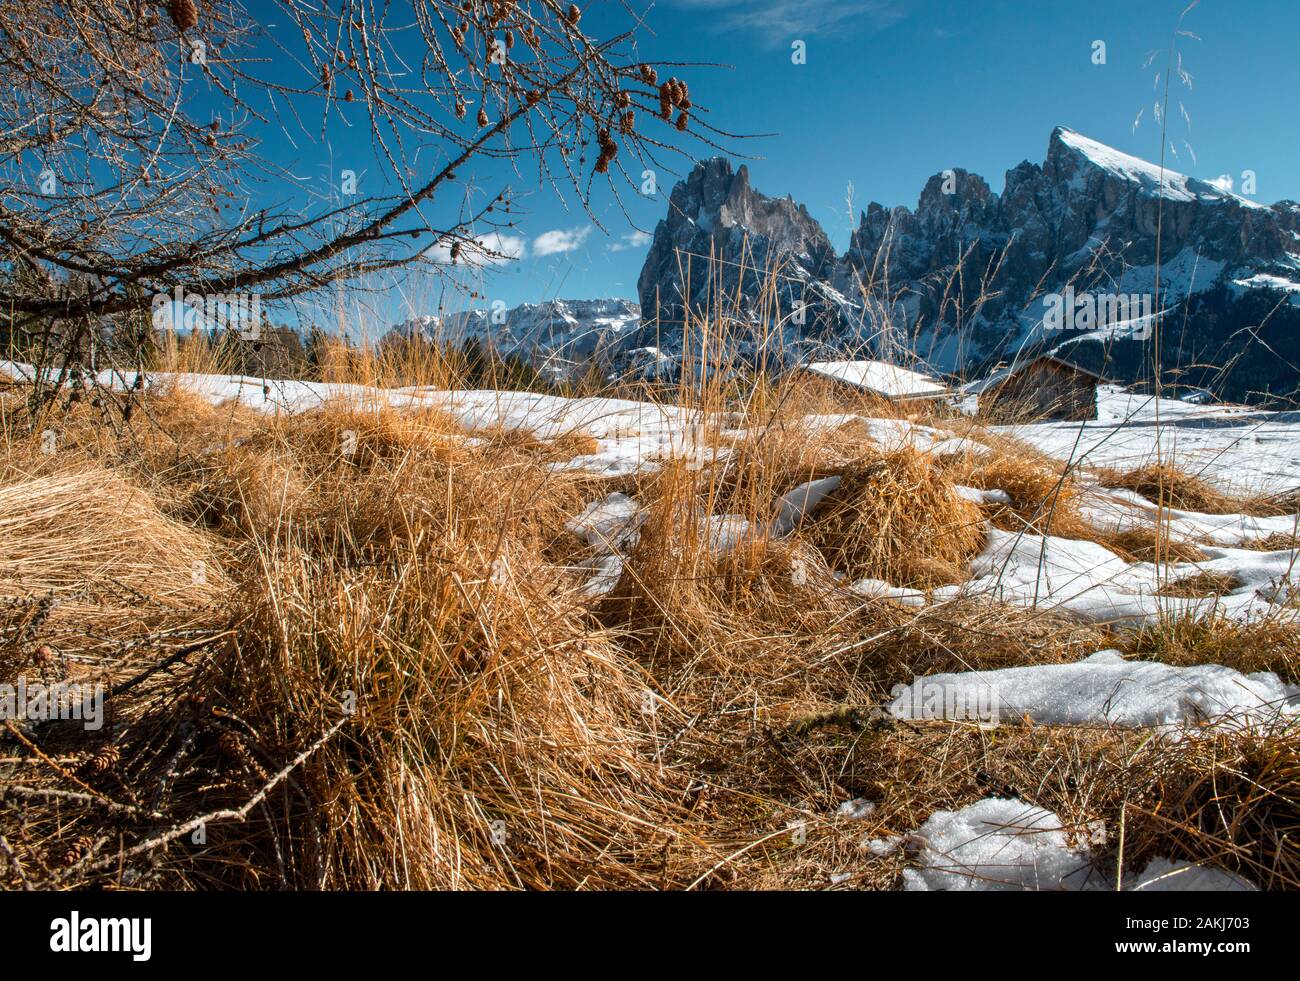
109, 565
1044, 494
1230, 796
1266, 644
1149, 543
898, 518
1172, 487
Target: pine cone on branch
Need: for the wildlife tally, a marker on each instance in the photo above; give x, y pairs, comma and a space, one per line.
184, 14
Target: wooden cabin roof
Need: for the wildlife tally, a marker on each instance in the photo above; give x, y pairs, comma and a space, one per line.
1000, 375
881, 378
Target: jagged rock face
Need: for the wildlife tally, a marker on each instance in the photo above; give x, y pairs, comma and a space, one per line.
725, 247
1088, 217
1085, 218
945, 224
1083, 196
1104, 193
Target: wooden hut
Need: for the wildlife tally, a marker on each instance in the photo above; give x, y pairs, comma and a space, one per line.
1041, 387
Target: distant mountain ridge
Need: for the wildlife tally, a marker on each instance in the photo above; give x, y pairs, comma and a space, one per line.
558, 337
960, 282
1086, 217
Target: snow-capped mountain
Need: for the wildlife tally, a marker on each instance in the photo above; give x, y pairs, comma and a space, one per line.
966, 278
1086, 219
558, 337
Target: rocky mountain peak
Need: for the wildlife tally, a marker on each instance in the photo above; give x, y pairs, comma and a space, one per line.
720, 243
954, 192
714, 199
965, 271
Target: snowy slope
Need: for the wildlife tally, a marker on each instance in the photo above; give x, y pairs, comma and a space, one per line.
1149, 176
1238, 448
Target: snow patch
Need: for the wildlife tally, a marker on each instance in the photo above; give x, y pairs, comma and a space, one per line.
996, 845
1105, 689
1004, 845
1092, 582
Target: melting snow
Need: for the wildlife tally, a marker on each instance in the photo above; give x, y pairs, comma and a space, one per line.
1118, 510
996, 845
609, 523
1236, 447
1162, 875
1092, 582
857, 809
1104, 689
1001, 845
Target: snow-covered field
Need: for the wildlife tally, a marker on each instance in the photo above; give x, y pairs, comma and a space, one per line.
994, 843
1235, 447
1238, 448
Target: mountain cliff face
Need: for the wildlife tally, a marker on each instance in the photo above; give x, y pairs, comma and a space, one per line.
966, 276
1087, 218
726, 250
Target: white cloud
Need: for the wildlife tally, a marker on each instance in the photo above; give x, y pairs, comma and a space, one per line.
492, 249
632, 240
560, 240
1223, 182
782, 21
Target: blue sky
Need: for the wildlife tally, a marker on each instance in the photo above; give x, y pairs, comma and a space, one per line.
894, 91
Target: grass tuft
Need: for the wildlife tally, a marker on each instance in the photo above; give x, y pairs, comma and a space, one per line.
898, 518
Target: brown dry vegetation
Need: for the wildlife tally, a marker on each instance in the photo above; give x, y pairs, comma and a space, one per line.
1044, 495
1266, 645
1272, 543
898, 518
1150, 543
1169, 486
388, 677
1201, 584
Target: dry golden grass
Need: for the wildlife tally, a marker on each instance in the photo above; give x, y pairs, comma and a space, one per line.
1276, 542
391, 648
102, 566
1263, 645
898, 518
1202, 584
563, 447
1165, 797
193, 353
1169, 486
1228, 798
478, 700
408, 571
1044, 497
1149, 543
